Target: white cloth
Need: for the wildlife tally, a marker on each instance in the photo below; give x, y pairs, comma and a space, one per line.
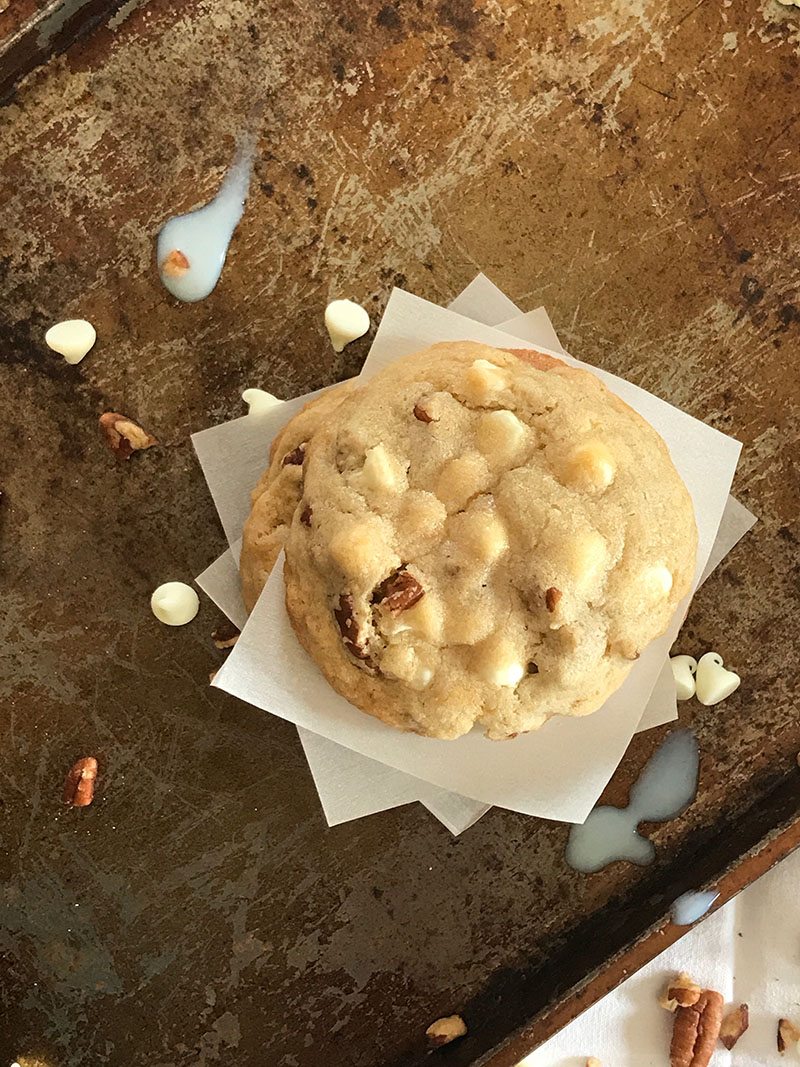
748, 950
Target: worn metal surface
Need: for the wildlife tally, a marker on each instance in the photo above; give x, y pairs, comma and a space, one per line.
632, 164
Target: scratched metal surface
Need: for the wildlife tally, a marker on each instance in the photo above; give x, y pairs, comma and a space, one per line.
630, 163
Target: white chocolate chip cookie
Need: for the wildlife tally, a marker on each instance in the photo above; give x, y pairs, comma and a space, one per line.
485, 538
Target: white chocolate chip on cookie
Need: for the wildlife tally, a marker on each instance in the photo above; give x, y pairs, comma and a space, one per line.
590, 466
461, 478
657, 581
497, 662
409, 665
500, 436
483, 381
587, 555
481, 533
360, 551
382, 472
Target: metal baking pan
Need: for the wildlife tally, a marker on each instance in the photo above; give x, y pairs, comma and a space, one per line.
634, 175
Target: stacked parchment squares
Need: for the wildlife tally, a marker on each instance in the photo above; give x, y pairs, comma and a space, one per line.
360, 765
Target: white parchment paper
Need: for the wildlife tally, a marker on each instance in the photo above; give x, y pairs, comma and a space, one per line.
559, 771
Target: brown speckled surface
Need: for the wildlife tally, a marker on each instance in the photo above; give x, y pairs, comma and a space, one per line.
633, 164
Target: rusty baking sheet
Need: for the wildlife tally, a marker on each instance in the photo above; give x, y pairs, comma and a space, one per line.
634, 167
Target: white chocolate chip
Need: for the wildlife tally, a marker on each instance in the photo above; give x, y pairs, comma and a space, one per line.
587, 555
481, 533
407, 664
657, 581
258, 401
684, 669
714, 682
500, 435
71, 338
345, 321
590, 466
484, 380
461, 478
361, 551
382, 472
498, 664
175, 603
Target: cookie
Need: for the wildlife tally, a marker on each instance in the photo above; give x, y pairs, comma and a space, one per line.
485, 538
278, 492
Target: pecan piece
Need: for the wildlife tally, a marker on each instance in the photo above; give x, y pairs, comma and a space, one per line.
295, 457
443, 1031
305, 515
788, 1034
695, 1031
344, 613
734, 1025
79, 783
421, 414
226, 635
398, 592
123, 436
552, 598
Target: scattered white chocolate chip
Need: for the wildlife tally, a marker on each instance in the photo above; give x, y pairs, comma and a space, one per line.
498, 664
382, 472
258, 401
590, 466
684, 669
657, 581
345, 321
500, 435
484, 380
790, 3
175, 603
71, 338
714, 682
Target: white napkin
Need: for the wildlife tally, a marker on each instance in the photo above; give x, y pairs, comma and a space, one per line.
748, 951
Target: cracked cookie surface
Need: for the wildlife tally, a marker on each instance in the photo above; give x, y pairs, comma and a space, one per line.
485, 538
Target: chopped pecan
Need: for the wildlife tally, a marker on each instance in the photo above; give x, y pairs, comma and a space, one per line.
443, 1031
123, 436
399, 591
695, 1031
305, 515
734, 1025
226, 635
295, 457
681, 992
552, 598
533, 668
788, 1034
79, 783
344, 613
421, 414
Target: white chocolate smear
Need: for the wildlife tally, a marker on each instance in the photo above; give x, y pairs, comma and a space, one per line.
684, 669
714, 682
175, 603
345, 321
71, 338
690, 907
259, 400
192, 248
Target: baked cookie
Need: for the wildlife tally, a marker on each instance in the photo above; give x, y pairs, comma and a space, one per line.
484, 537
278, 492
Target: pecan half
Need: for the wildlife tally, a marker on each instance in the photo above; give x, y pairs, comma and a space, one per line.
421, 414
788, 1034
79, 783
398, 592
305, 515
695, 1031
443, 1031
552, 598
353, 639
734, 1025
295, 457
124, 436
226, 635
